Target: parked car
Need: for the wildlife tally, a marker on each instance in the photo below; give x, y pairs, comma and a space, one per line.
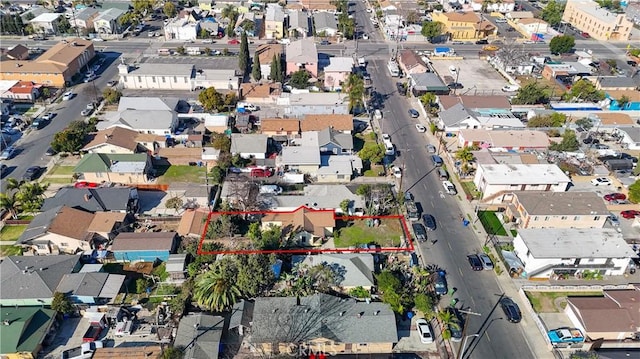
456, 325
112, 83
431, 148
68, 96
424, 331
601, 181
474, 262
487, 263
510, 88
419, 231
413, 113
511, 310
440, 284
565, 335
613, 219
48, 116
397, 172
420, 128
614, 196
449, 187
8, 153
455, 85
233, 42
85, 112
50, 151
482, 42
92, 333
32, 173
259, 172
429, 222
437, 160
630, 214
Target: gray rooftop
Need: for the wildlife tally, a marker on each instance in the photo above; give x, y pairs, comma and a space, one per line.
96, 284
85, 14
101, 199
274, 13
428, 81
575, 243
295, 320
200, 334
144, 241
148, 103
632, 132
110, 14
26, 277
241, 314
454, 115
299, 155
302, 51
299, 20
176, 262
616, 81
139, 119
351, 269
248, 143
326, 136
321, 196
562, 203
39, 225
324, 20
153, 69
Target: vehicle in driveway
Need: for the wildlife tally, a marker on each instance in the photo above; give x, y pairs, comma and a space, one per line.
259, 172
429, 222
614, 197
601, 181
32, 173
474, 262
613, 219
424, 331
511, 310
487, 264
419, 231
628, 214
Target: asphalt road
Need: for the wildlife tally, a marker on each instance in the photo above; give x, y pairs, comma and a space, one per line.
35, 143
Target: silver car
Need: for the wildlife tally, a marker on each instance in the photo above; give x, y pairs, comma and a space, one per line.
487, 264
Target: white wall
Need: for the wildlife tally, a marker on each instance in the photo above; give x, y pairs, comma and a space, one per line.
169, 82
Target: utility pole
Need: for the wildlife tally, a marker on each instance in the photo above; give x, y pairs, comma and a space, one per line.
464, 331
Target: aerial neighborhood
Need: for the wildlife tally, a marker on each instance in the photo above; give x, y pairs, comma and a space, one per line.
203, 179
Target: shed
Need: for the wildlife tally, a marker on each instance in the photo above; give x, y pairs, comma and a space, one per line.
144, 246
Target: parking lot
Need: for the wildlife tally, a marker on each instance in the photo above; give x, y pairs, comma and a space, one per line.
477, 76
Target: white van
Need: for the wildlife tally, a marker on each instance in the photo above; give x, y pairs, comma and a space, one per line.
377, 115
270, 189
449, 187
389, 150
248, 106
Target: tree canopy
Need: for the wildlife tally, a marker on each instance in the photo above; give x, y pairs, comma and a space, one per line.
569, 142
72, 138
300, 79
552, 13
354, 86
372, 152
556, 119
432, 29
562, 44
61, 303
256, 73
634, 192
244, 60
584, 90
531, 94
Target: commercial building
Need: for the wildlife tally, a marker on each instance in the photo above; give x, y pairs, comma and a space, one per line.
601, 24
464, 26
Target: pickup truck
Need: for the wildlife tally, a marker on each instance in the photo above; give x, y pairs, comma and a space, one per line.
85, 351
565, 335
92, 333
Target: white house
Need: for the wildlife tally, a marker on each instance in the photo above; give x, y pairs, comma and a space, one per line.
107, 21
147, 76
499, 179
220, 79
548, 252
504, 6
249, 145
528, 27
630, 137
181, 29
46, 23
316, 103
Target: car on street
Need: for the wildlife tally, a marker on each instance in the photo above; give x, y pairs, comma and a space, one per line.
90, 78
429, 222
440, 283
50, 151
419, 231
628, 214
487, 263
68, 96
365, 37
482, 42
32, 173
474, 262
456, 325
431, 148
413, 113
601, 181
424, 331
233, 42
86, 112
615, 197
455, 86
48, 116
397, 172
386, 137
8, 153
510, 88
421, 128
511, 310
613, 219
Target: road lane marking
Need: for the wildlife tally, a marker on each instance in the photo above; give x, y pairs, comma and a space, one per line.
487, 334
462, 275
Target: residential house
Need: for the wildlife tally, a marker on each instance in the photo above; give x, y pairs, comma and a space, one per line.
520, 140
192, 223
531, 26
298, 24
221, 79
91, 288
534, 209
322, 196
352, 269
274, 22
260, 93
46, 24
472, 102
200, 335
337, 72
601, 24
30, 281
119, 199
114, 140
241, 315
318, 5
55, 67
266, 53
247, 23
303, 157
611, 120
464, 26
615, 83
146, 76
302, 55
517, 15
309, 226
630, 137
615, 316
144, 246
24, 329
550, 252
59, 230
107, 22
315, 103
411, 63
338, 169
249, 145
499, 179
33, 12
21, 91
151, 351
216, 123
106, 225
566, 71
16, 52
177, 269
421, 83
349, 326
455, 118
126, 169
505, 6
211, 26
341, 123
181, 29
146, 115
83, 19
333, 142
280, 127
325, 24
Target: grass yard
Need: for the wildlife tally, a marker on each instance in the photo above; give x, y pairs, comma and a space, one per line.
354, 233
374, 171
491, 223
11, 233
543, 302
552, 87
470, 189
62, 171
514, 233
179, 173
6, 251
57, 180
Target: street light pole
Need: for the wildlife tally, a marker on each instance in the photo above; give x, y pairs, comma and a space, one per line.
464, 345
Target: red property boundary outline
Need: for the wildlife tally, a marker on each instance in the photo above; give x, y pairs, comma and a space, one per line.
401, 218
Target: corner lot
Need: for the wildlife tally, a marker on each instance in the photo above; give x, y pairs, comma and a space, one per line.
477, 76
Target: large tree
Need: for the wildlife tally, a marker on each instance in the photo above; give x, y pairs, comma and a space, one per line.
561, 44
169, 9
569, 142
244, 59
432, 29
211, 100
300, 79
355, 88
372, 152
217, 289
552, 13
531, 94
584, 90
256, 73
61, 303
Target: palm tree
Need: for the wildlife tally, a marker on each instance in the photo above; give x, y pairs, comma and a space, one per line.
448, 319
216, 290
464, 155
355, 87
31, 196
230, 13
12, 183
10, 203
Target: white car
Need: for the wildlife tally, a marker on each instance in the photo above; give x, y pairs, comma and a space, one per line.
365, 37
601, 181
397, 172
421, 128
48, 116
386, 137
424, 331
501, 20
510, 88
208, 41
68, 96
528, 42
449, 187
369, 10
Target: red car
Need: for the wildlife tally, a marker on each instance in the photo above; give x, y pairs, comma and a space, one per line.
233, 42
630, 214
614, 196
259, 172
84, 184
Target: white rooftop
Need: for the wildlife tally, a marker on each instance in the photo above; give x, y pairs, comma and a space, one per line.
46, 17
128, 167
523, 174
339, 64
5, 85
154, 69
315, 98
299, 155
575, 243
321, 196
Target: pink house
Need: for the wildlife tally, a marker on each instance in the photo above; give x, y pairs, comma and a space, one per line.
337, 72
302, 54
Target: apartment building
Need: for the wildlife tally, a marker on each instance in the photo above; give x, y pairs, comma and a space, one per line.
598, 22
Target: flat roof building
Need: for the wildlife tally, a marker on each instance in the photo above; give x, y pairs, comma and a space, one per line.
601, 24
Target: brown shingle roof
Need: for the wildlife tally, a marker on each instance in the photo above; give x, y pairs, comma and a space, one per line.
192, 222
105, 221
320, 122
72, 223
259, 90
64, 53
18, 52
133, 241
615, 119
303, 218
531, 21
411, 60
617, 311
279, 124
265, 52
115, 136
462, 17
474, 102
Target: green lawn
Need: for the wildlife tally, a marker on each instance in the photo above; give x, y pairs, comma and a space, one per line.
62, 170
491, 223
374, 171
470, 189
176, 173
57, 180
543, 302
6, 251
354, 233
514, 233
11, 233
